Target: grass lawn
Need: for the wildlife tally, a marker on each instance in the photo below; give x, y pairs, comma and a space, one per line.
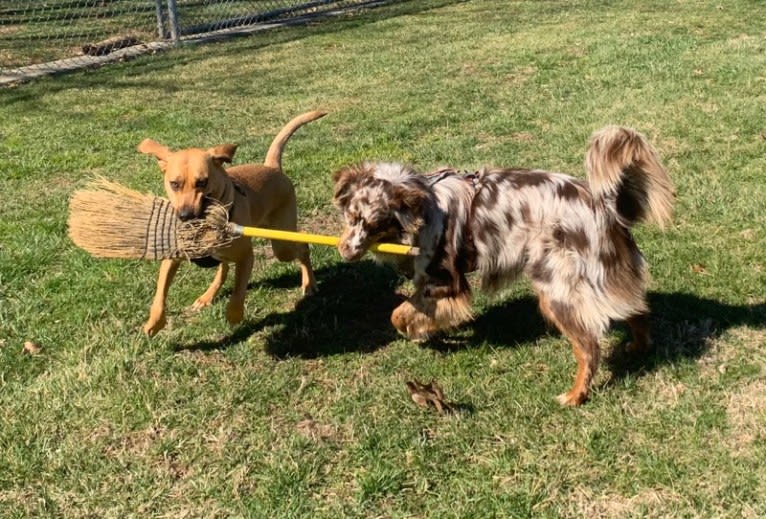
302, 411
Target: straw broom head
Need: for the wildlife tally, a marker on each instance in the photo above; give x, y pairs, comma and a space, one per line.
111, 221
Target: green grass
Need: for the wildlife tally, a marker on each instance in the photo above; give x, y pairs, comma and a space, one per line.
301, 411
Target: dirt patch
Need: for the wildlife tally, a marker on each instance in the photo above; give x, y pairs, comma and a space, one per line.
736, 343
647, 503
665, 392
746, 416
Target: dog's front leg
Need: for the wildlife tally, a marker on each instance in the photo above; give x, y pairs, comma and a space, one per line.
414, 320
207, 298
423, 315
157, 321
235, 310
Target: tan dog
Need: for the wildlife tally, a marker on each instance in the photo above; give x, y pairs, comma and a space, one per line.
257, 195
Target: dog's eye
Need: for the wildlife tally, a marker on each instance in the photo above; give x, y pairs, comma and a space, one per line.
175, 185
374, 227
201, 183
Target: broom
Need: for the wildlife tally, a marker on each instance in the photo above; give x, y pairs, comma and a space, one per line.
111, 221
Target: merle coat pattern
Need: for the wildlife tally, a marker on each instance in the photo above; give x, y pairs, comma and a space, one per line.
570, 237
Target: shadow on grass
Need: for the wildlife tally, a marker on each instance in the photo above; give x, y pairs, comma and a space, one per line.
683, 326
350, 312
509, 323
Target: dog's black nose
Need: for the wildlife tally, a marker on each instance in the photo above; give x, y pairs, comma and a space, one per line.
185, 213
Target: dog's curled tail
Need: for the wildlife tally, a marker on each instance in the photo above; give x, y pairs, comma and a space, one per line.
625, 172
274, 155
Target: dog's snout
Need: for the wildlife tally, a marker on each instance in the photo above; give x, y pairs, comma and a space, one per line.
186, 213
349, 253
344, 251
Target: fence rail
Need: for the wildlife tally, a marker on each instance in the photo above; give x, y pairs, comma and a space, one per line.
38, 38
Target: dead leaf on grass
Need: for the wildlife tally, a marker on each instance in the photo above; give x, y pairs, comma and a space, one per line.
698, 268
31, 348
426, 395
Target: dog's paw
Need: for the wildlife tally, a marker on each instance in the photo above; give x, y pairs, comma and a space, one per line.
636, 347
310, 290
402, 316
235, 312
415, 334
572, 399
413, 324
153, 326
199, 304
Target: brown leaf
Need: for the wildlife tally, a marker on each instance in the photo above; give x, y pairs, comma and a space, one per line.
429, 394
698, 268
31, 348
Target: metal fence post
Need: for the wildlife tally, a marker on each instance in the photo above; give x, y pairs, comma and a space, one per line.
160, 19
175, 33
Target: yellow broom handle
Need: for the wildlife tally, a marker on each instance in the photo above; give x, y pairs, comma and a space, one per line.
317, 239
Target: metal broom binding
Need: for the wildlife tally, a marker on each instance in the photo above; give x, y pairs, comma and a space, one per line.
112, 221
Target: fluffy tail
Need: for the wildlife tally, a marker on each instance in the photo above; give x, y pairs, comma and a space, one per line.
625, 172
274, 155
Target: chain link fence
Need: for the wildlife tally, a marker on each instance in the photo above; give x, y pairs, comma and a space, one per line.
43, 37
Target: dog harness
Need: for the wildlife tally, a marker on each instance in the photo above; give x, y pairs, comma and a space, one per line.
472, 177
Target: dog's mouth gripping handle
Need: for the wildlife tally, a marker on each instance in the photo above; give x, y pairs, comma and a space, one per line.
316, 239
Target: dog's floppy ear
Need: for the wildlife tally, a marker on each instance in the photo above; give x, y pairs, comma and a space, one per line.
223, 153
159, 151
343, 179
346, 174
409, 202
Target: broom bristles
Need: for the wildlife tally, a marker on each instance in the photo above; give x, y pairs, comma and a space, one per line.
112, 221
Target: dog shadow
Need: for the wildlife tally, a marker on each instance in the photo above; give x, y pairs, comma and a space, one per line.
683, 327
349, 312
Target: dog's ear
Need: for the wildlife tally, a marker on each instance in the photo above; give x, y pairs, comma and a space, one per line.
223, 153
160, 152
346, 174
343, 179
410, 203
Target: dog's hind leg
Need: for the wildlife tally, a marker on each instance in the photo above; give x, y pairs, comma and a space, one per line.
584, 346
285, 251
639, 328
207, 298
286, 219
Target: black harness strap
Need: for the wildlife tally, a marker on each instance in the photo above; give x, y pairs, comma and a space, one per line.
437, 176
210, 261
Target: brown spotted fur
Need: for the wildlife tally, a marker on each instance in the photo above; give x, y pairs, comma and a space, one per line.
571, 238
